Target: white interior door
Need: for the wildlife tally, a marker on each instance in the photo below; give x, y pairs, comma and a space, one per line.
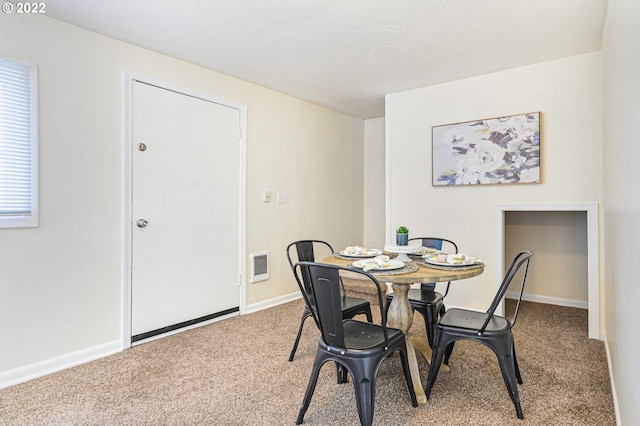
186, 171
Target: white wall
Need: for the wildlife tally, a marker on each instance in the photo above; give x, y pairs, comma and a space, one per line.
621, 113
374, 182
61, 283
559, 241
568, 94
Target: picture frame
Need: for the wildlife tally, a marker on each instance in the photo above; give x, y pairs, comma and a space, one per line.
502, 150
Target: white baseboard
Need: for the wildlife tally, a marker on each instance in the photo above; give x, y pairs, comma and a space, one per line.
52, 365
255, 307
583, 304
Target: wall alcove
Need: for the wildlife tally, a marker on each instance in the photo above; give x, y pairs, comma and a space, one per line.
590, 210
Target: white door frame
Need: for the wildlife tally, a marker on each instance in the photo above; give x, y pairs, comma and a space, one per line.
128, 80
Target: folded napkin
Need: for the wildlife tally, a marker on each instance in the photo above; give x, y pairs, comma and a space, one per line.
355, 250
427, 250
461, 259
378, 262
457, 259
360, 251
452, 259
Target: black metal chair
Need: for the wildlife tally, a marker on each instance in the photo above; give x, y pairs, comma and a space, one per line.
487, 328
426, 300
357, 346
351, 306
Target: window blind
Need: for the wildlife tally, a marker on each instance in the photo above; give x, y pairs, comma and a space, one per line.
16, 145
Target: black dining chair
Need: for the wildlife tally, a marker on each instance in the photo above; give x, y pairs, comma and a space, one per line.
426, 300
359, 347
351, 306
487, 328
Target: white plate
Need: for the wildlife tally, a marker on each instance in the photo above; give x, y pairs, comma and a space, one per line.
389, 265
370, 253
451, 260
424, 251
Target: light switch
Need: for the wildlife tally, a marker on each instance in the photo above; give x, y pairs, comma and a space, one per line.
266, 196
281, 198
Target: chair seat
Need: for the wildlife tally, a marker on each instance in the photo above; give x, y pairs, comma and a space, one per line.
424, 296
349, 303
472, 320
362, 335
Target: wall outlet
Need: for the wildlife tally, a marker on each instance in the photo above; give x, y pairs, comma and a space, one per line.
281, 198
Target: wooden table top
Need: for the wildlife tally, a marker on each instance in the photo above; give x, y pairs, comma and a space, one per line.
424, 274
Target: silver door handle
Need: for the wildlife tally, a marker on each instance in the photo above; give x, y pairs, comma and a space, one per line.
141, 223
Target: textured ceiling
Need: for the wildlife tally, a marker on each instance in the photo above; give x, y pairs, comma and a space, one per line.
347, 54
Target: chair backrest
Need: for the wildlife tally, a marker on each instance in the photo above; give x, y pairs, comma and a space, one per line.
521, 260
305, 252
326, 306
436, 243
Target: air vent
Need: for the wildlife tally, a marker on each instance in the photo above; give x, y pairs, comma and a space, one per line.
259, 266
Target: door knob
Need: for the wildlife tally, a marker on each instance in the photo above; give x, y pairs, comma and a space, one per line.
141, 223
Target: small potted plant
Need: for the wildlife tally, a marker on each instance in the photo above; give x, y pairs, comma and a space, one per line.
402, 236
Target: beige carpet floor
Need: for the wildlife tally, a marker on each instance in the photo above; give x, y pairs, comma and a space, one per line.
235, 372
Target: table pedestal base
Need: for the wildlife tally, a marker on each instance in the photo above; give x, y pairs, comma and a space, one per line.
400, 316
422, 346
421, 397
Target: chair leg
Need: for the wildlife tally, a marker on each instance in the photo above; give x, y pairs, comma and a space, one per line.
515, 362
447, 352
430, 322
507, 367
368, 314
438, 311
365, 389
313, 380
431, 316
342, 373
306, 314
407, 377
437, 355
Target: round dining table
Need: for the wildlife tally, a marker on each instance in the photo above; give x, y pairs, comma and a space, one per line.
400, 314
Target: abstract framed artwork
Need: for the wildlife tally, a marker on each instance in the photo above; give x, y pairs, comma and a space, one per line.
499, 150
